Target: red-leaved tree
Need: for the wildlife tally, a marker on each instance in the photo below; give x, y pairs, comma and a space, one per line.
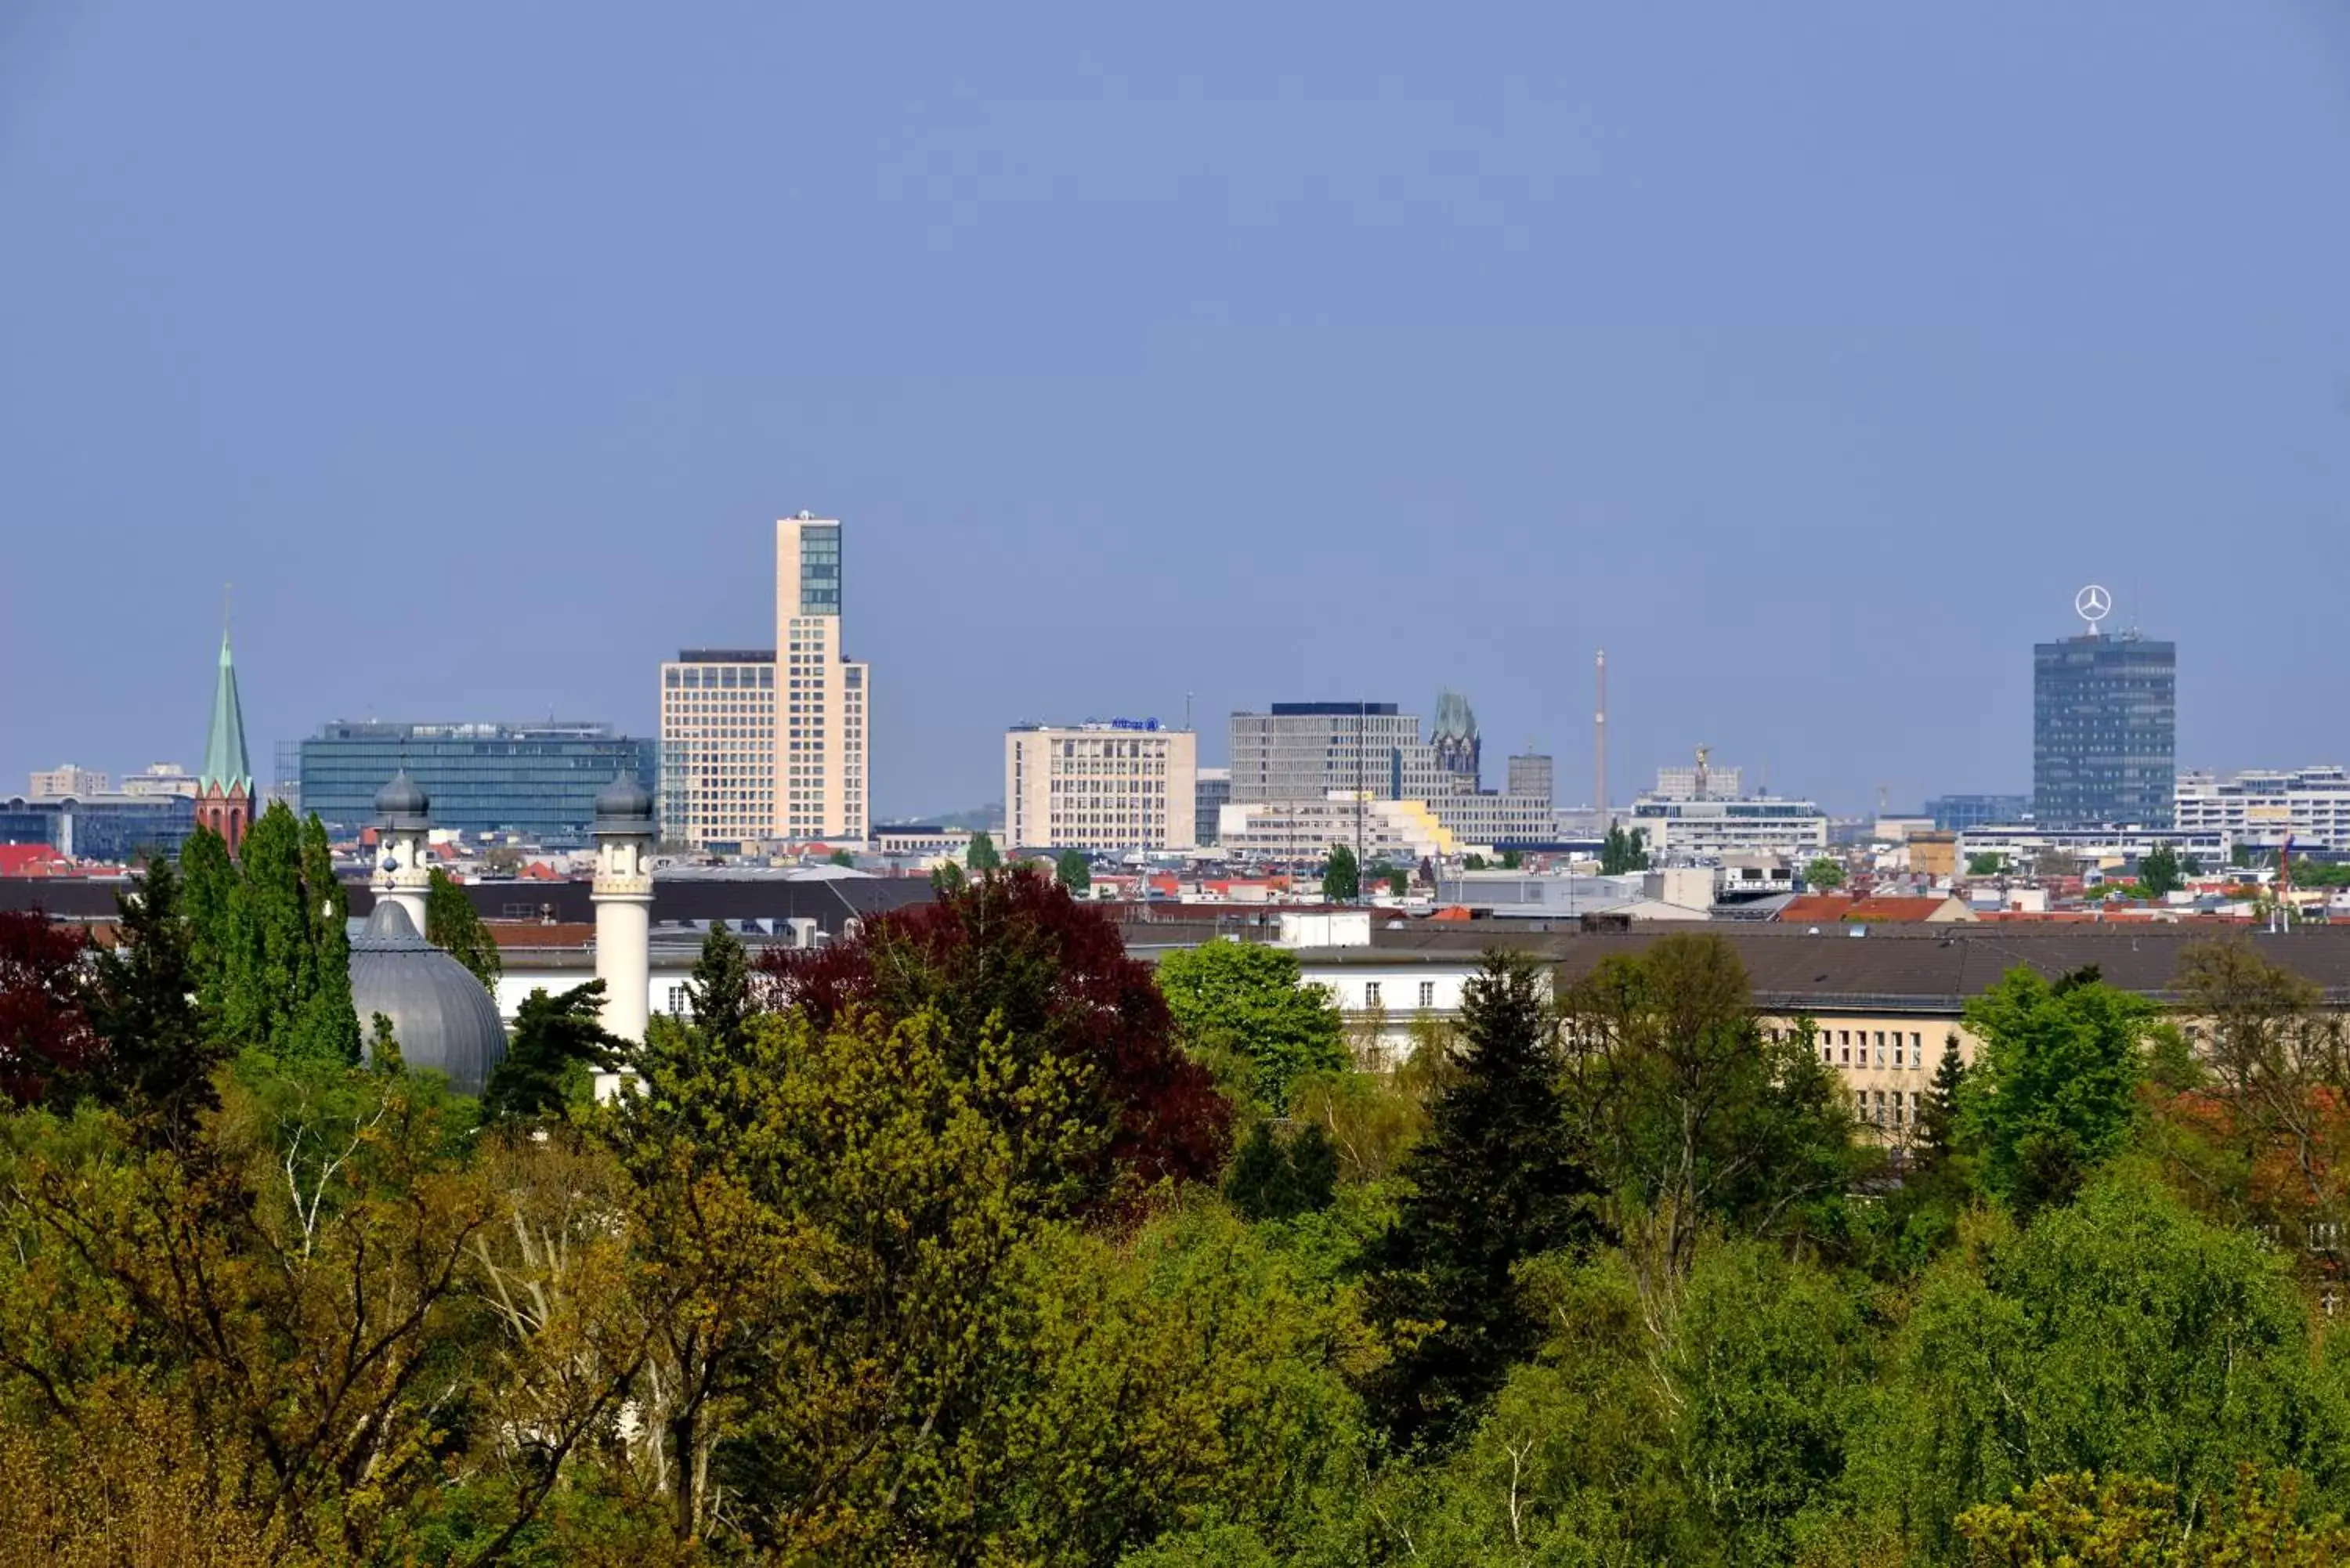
1012, 951
43, 1033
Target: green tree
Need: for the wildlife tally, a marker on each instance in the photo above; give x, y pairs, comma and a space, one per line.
1276, 1178
2130, 1521
270, 944
1497, 1179
1398, 881
1989, 863
2054, 1088
983, 854
1695, 1117
1342, 877
1473, 863
1823, 873
295, 1292
2116, 1335
840, 857
452, 925
2160, 873
1512, 859
835, 1207
947, 879
559, 1044
1938, 1112
1575, 1463
1621, 851
720, 992
1073, 870
209, 883
142, 999
1244, 1009
1767, 1367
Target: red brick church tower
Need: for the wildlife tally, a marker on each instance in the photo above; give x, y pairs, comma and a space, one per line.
225, 787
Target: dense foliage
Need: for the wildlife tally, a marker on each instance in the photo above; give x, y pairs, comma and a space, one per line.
1016, 957
1342, 876
934, 1246
1243, 1008
452, 923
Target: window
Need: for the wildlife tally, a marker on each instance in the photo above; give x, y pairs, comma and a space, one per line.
677, 1004
1917, 1052
1426, 994
1370, 994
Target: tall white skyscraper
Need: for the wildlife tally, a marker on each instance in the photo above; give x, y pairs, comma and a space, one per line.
823, 698
771, 743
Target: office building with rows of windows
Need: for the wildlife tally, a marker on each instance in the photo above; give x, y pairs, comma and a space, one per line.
718, 747
2263, 807
2105, 740
538, 781
1120, 784
771, 743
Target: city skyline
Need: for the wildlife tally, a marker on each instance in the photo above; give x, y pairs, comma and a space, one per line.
1630, 775
1169, 367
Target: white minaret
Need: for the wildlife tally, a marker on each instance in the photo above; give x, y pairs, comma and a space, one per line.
404, 867
624, 905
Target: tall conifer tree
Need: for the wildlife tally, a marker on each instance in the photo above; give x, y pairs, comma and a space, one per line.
720, 991
1496, 1179
160, 1055
1937, 1115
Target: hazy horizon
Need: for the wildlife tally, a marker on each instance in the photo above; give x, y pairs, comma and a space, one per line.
1806, 361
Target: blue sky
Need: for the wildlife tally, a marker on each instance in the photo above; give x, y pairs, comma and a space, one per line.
1806, 357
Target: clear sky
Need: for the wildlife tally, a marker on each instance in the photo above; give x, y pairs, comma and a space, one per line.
1807, 356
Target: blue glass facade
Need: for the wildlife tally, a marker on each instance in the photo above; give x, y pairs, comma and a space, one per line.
1961, 813
536, 780
2105, 731
111, 828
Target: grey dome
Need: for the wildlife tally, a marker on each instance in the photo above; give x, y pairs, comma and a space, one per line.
402, 803
624, 806
440, 1014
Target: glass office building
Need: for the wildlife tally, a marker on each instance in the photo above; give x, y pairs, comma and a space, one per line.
113, 828
1961, 813
2105, 731
536, 780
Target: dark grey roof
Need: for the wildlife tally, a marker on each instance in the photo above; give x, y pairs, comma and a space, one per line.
830, 902
624, 806
402, 803
440, 1015
1931, 970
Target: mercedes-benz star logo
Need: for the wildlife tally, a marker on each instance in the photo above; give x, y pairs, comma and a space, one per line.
2093, 604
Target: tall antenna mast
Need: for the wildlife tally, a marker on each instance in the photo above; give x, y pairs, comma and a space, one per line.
1362, 729
1599, 747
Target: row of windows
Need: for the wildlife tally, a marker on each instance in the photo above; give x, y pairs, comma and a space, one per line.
718, 676
1374, 991
1866, 1102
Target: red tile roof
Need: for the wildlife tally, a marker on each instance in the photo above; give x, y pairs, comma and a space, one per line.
31, 860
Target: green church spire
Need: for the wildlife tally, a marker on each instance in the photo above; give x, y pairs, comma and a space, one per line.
225, 762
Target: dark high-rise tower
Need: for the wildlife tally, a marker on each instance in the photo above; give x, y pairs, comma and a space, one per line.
2104, 732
